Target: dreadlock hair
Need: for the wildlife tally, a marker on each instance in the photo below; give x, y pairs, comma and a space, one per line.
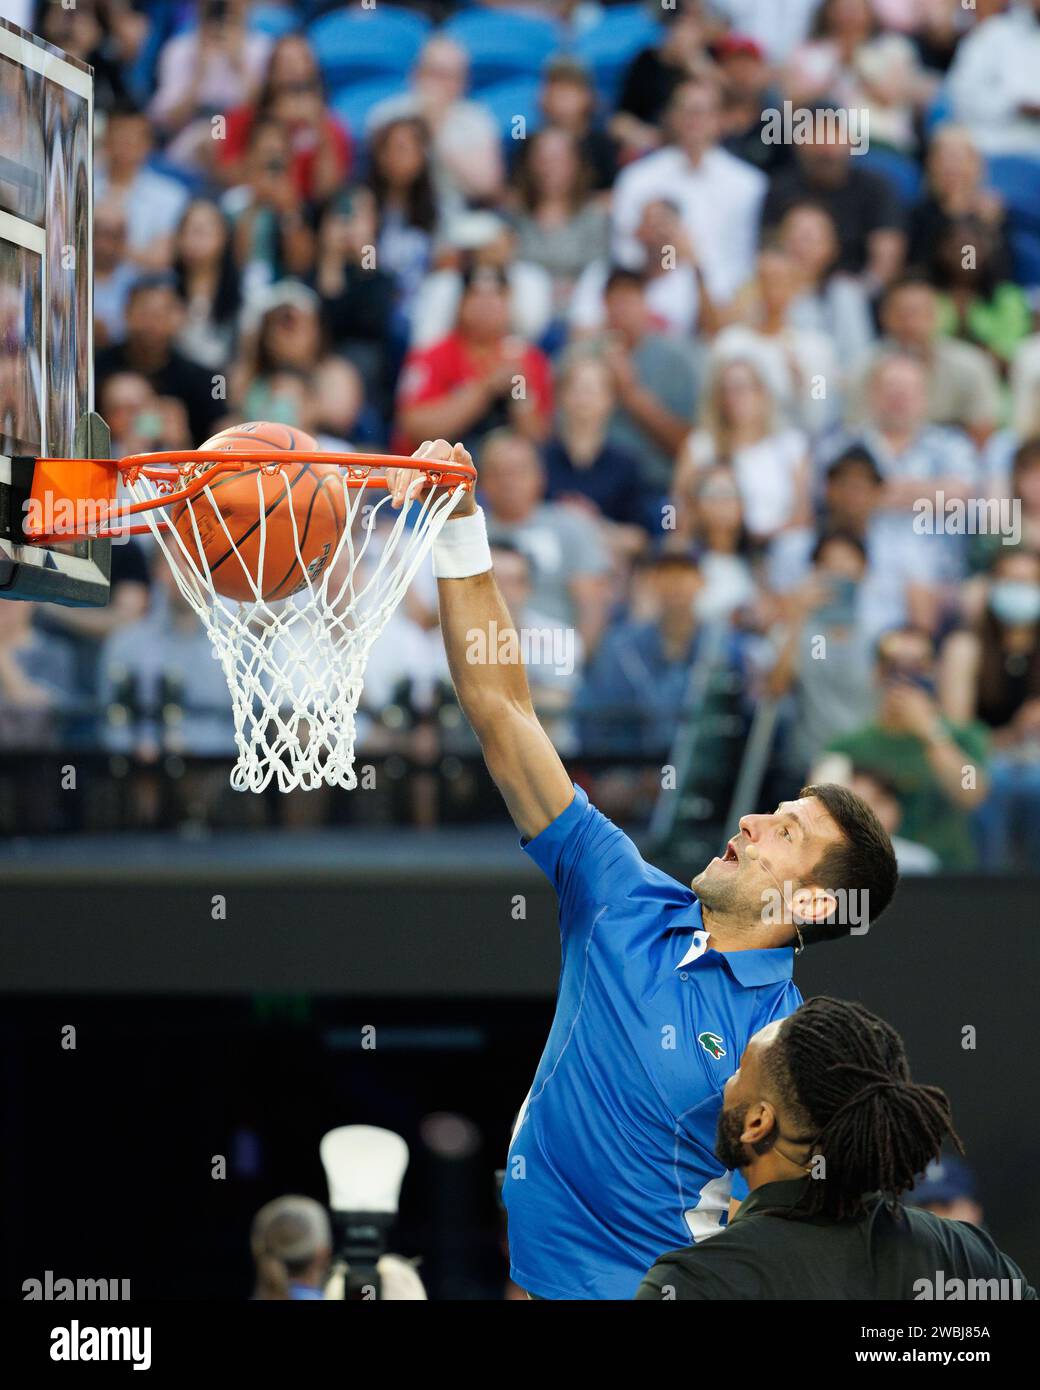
842, 1076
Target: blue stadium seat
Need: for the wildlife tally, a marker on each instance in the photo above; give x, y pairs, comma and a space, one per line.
502, 46
1026, 249
275, 20
356, 45
902, 172
193, 182
940, 112
507, 100
1017, 179
609, 48
353, 102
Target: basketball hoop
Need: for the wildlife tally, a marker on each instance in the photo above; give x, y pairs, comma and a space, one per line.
295, 663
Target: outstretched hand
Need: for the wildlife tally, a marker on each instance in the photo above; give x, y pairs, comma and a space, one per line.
406, 482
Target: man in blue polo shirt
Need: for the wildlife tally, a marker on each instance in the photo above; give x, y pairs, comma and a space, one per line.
661, 986
613, 1154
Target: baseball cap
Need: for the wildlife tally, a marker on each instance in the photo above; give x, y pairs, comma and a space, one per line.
944, 1180
738, 46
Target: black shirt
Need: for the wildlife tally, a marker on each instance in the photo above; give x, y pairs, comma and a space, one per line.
362, 310
600, 152
929, 224
648, 85
186, 381
611, 481
866, 202
747, 144
767, 1253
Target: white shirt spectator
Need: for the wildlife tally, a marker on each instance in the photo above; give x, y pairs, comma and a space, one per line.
913, 858
840, 311
222, 85
996, 71
778, 25
895, 559
937, 452
404, 653
719, 200
110, 296
153, 205
467, 130
766, 473
436, 305
728, 585
792, 363
672, 298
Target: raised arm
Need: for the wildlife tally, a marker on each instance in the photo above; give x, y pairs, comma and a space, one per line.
494, 695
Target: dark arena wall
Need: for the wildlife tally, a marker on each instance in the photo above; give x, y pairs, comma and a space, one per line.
251, 1034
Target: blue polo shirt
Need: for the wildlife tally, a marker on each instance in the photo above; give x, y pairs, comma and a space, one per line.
612, 1160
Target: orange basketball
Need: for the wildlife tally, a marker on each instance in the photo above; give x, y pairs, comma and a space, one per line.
311, 491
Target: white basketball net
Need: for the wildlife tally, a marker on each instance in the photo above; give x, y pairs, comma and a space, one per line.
295, 667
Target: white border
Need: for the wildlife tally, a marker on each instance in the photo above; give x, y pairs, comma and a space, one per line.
18, 232
29, 54
23, 233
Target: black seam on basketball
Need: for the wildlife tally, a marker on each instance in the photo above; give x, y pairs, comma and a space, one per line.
248, 472
294, 565
281, 448
214, 566
230, 478
233, 477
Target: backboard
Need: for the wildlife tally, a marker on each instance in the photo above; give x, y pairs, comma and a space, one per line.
46, 306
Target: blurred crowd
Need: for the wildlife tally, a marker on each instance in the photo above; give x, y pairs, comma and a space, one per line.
735, 302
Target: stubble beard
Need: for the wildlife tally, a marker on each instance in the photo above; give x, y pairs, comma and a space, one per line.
716, 894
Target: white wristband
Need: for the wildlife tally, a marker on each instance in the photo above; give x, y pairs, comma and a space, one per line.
462, 549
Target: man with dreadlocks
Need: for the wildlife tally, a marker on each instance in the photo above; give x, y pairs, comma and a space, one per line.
828, 1129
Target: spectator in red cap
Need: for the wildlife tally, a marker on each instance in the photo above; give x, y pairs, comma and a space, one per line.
747, 91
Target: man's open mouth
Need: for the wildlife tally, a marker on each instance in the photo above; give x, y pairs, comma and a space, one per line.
731, 856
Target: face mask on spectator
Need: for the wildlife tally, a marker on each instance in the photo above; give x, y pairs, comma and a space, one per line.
1015, 602
899, 677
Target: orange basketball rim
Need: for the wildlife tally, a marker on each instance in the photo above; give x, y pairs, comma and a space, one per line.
289, 568
74, 488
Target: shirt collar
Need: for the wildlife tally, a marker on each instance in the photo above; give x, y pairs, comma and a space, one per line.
771, 1196
748, 968
698, 945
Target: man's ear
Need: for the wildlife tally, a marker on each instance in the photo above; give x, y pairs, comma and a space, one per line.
813, 904
760, 1126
